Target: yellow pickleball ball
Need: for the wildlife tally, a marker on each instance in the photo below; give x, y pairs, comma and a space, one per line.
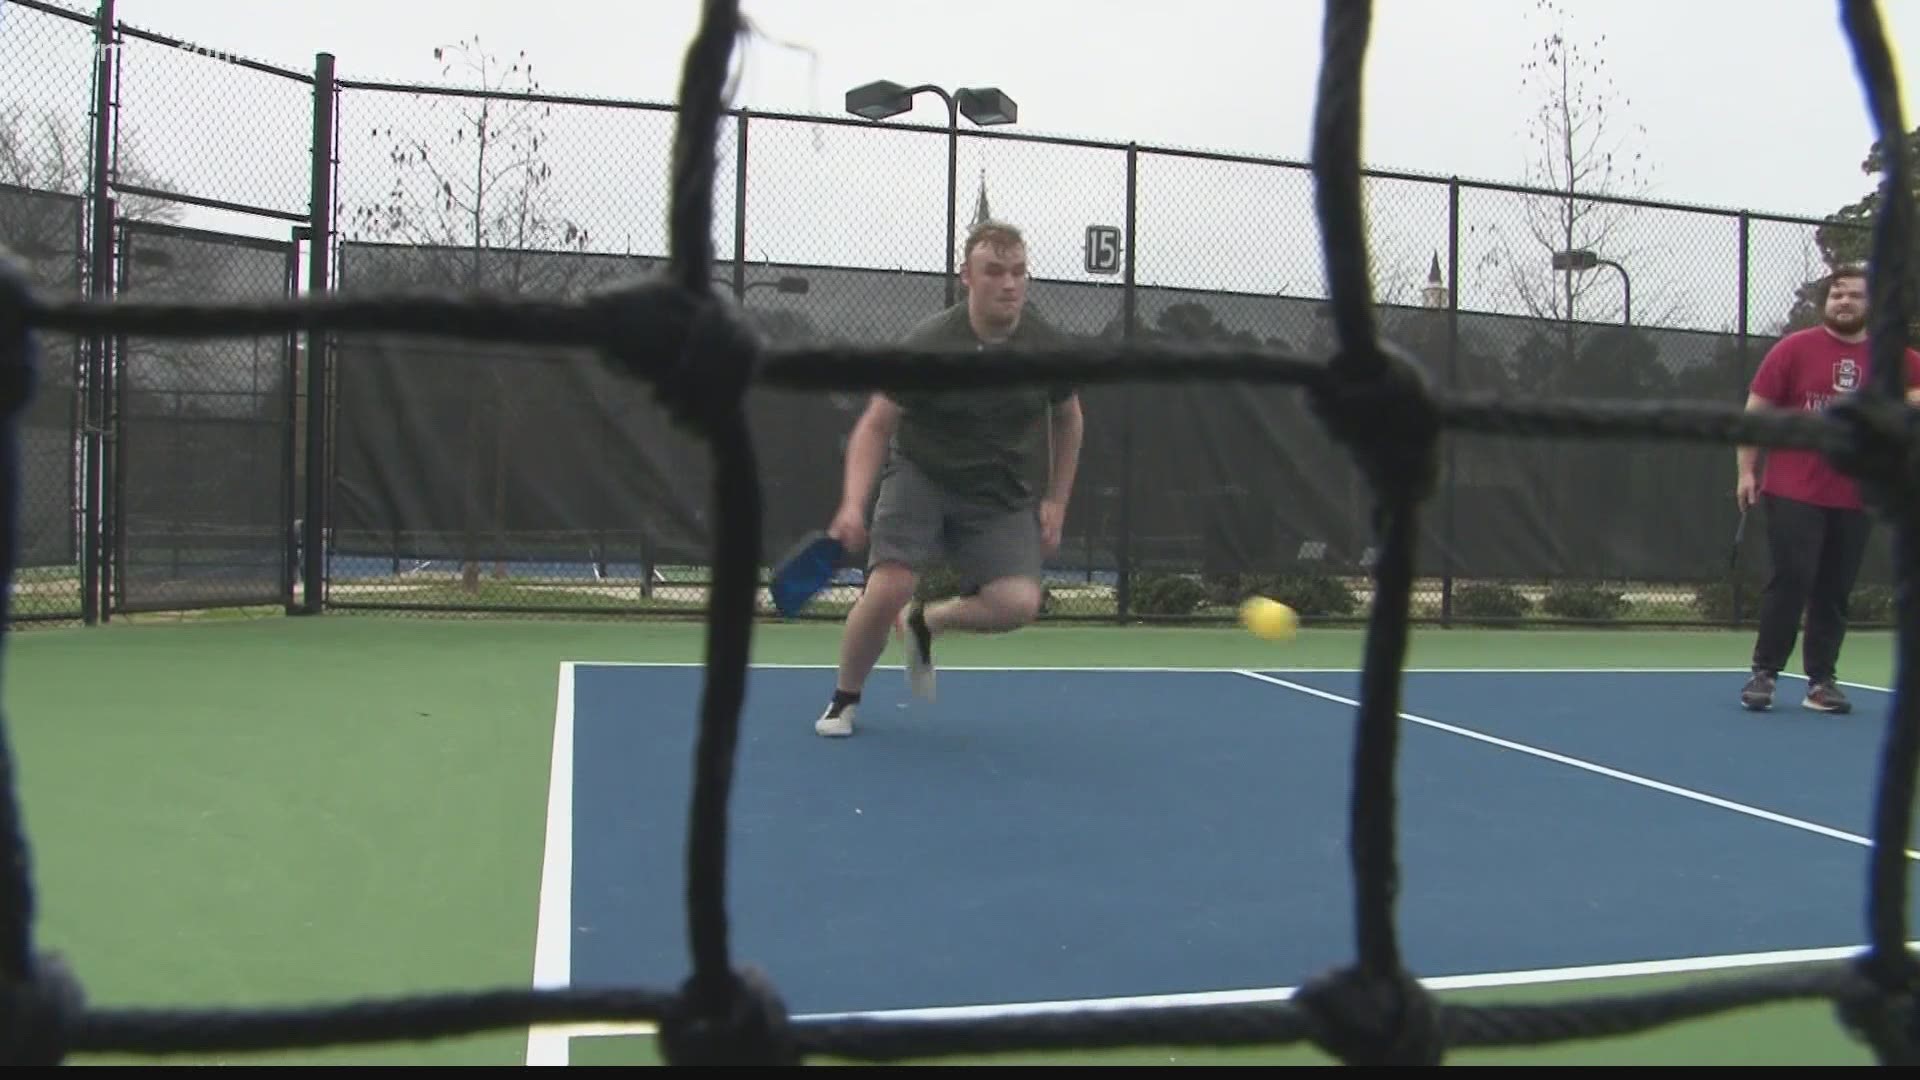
1269, 618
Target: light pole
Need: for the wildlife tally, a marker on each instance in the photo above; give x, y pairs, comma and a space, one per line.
986, 106
1585, 259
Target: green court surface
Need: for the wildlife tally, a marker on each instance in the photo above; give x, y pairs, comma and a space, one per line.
281, 811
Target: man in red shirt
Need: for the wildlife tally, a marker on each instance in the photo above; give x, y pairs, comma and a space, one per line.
1817, 527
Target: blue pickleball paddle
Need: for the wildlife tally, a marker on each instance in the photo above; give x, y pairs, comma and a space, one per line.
807, 568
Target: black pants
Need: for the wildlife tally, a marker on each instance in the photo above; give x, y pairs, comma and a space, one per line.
1816, 558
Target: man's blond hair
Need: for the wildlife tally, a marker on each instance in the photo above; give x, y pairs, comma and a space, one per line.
997, 234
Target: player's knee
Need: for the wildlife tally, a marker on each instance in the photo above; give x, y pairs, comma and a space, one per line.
1018, 600
892, 583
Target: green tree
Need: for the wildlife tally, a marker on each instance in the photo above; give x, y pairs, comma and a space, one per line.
1846, 237
1190, 320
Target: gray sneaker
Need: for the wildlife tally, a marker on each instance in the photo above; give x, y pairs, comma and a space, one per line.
1757, 695
1825, 696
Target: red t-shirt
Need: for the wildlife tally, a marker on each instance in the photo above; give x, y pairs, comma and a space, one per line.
1808, 369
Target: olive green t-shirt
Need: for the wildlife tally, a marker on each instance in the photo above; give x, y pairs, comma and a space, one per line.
988, 443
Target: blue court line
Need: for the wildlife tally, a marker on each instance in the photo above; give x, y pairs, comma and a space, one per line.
1061, 835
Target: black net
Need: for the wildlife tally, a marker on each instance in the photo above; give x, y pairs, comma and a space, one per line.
1162, 526
716, 381
546, 484
489, 476
202, 467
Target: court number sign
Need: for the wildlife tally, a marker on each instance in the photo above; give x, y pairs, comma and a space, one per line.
1103, 249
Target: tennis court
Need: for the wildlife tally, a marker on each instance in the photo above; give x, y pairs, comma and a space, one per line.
281, 811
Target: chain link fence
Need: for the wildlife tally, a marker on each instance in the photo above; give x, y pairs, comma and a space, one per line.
46, 56
44, 229
202, 470
513, 479
198, 126
157, 476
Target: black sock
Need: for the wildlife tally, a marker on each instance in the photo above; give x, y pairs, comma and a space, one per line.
922, 636
842, 699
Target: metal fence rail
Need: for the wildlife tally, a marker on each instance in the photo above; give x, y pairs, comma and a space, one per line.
321, 474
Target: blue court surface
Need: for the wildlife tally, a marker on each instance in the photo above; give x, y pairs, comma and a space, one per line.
1062, 835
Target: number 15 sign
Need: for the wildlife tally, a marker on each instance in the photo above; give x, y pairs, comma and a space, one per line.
1103, 249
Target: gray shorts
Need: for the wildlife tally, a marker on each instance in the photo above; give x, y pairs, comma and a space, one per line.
916, 522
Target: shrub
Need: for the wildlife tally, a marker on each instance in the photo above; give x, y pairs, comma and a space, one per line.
1227, 590
1166, 594
1570, 601
1490, 602
1871, 604
1313, 594
1715, 602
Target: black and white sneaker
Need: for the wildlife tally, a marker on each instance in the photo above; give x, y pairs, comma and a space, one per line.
1757, 695
837, 721
911, 626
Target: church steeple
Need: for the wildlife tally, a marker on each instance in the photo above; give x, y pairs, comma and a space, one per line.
980, 211
1434, 295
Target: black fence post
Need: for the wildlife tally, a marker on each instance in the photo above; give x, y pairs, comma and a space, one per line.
1746, 371
290, 445
1448, 490
113, 411
740, 210
93, 500
313, 549
1123, 547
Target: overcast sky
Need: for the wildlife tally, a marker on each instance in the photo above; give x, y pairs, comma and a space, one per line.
1742, 103
1745, 102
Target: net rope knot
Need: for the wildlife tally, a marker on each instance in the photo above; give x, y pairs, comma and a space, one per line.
1883, 1009
1387, 416
752, 1029
699, 356
1367, 1019
1882, 451
40, 1014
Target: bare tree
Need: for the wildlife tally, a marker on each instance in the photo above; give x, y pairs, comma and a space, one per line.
479, 185
1580, 134
49, 151
471, 196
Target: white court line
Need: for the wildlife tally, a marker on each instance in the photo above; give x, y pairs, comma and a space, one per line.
1494, 980
553, 936
1843, 682
1734, 671
548, 1045
1616, 774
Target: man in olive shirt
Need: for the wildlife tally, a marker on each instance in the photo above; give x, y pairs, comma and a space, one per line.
955, 483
